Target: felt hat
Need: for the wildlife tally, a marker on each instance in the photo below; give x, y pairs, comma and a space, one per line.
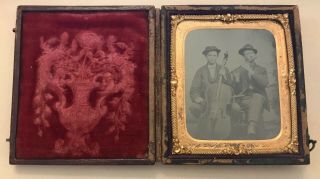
209, 49
247, 47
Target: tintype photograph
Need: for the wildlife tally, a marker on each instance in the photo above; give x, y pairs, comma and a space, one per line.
79, 74
231, 84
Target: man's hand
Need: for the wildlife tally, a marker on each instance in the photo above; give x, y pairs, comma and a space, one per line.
250, 70
222, 72
236, 77
199, 100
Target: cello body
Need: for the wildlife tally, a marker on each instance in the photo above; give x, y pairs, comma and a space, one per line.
215, 121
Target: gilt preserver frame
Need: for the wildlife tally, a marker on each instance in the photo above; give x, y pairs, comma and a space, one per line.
291, 145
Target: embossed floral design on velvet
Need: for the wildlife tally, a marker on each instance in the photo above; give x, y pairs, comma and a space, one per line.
83, 80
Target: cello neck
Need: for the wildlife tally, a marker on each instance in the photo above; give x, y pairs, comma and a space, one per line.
225, 58
224, 62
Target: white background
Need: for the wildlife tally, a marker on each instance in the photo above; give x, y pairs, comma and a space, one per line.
310, 24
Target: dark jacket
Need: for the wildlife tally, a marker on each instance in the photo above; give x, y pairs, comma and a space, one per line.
202, 78
247, 86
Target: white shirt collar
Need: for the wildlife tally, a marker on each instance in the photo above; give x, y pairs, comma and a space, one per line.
212, 66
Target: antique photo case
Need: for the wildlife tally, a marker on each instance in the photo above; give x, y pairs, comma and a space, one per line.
233, 90
84, 85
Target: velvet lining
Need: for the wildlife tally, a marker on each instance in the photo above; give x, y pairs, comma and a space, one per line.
130, 27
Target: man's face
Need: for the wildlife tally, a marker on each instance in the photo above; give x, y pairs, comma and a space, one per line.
212, 57
249, 55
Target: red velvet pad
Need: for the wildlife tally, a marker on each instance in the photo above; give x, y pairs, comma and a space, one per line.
83, 85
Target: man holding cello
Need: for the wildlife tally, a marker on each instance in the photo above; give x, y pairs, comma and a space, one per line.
210, 93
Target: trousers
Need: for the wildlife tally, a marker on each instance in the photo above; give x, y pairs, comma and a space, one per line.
253, 105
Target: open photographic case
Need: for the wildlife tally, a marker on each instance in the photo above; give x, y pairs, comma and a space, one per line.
181, 85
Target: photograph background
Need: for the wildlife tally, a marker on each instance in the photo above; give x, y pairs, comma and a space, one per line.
232, 40
310, 28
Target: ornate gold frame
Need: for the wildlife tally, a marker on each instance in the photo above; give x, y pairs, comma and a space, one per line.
278, 24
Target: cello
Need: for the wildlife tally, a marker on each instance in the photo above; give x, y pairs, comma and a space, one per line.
219, 96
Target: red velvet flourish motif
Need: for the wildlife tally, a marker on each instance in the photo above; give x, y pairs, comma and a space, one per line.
83, 85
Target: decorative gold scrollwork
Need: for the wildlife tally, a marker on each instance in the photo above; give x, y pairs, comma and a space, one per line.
229, 18
238, 149
278, 24
174, 82
178, 148
292, 81
292, 147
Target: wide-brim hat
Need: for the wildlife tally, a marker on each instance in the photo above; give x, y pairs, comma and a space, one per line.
209, 49
247, 47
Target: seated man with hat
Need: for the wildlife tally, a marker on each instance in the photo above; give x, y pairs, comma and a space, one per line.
205, 77
249, 83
